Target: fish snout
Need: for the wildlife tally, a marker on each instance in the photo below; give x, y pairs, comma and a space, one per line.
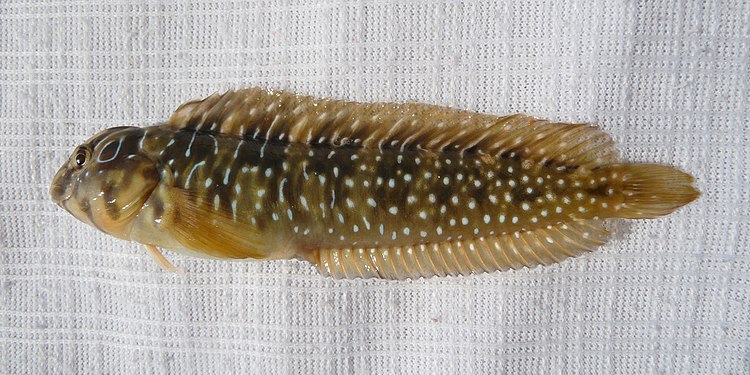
59, 189
57, 192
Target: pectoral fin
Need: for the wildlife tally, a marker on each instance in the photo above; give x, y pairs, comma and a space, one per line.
201, 227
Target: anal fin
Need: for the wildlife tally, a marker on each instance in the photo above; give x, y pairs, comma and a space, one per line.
479, 255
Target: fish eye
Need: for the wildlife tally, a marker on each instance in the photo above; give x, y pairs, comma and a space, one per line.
81, 157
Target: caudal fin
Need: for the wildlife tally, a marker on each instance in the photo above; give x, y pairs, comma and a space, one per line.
652, 190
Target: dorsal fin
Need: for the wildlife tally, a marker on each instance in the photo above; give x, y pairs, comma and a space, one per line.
281, 116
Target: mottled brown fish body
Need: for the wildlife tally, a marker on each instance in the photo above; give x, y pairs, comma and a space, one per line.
381, 190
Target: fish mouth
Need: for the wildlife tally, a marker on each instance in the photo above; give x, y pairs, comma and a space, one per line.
59, 194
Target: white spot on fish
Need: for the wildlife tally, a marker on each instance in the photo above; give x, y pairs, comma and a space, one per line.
190, 145
281, 189
187, 180
216, 144
117, 151
226, 175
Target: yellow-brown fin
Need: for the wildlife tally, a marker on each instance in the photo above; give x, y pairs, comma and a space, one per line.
281, 116
652, 190
485, 254
162, 261
200, 227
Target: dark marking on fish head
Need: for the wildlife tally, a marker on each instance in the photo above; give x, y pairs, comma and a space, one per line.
106, 180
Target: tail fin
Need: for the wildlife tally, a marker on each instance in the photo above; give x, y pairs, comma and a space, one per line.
652, 190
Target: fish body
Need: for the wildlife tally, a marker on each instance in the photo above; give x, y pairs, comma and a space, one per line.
361, 190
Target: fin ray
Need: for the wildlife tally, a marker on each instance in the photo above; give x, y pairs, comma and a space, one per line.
484, 254
201, 228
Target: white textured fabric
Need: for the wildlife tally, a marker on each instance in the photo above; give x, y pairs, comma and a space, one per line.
668, 79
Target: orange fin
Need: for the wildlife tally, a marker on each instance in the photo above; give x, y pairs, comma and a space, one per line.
281, 116
512, 251
163, 262
652, 190
200, 227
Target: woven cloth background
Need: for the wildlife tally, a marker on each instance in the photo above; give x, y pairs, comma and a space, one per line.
670, 80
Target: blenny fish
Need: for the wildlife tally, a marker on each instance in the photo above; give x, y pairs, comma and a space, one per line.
361, 190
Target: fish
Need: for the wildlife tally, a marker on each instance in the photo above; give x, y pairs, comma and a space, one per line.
361, 190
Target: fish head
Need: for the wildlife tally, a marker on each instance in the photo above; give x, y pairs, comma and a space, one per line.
106, 180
